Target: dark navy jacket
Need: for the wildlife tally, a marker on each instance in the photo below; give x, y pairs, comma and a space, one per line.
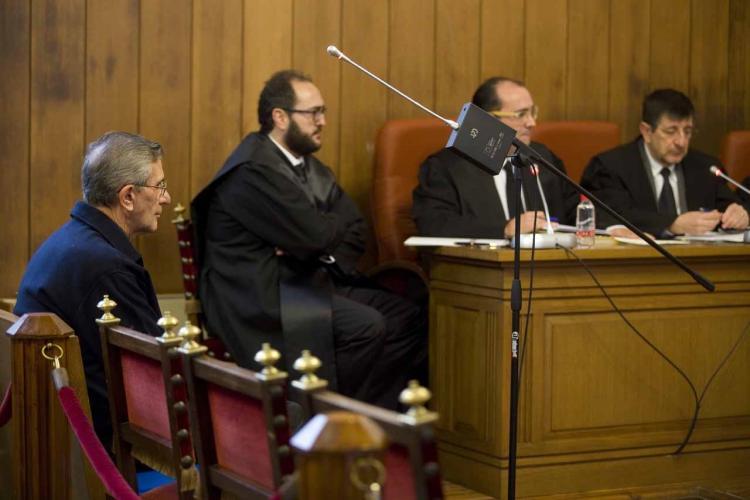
70, 272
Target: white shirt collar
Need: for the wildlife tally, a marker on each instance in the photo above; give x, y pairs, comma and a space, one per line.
289, 156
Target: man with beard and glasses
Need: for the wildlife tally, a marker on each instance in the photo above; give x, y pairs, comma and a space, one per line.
278, 243
657, 182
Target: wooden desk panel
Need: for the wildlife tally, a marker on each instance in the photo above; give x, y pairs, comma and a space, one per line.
600, 410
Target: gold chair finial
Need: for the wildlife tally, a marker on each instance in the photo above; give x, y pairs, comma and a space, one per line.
106, 305
168, 324
179, 210
268, 356
308, 365
415, 396
188, 334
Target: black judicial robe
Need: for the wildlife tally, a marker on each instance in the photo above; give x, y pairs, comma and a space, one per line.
256, 206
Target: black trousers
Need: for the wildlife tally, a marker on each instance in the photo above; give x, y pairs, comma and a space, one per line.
380, 341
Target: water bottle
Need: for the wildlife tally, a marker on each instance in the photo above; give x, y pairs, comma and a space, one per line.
585, 223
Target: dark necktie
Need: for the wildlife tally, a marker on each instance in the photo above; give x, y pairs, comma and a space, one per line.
666, 198
301, 171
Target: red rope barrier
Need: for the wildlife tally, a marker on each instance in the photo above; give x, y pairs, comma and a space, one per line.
6, 408
98, 457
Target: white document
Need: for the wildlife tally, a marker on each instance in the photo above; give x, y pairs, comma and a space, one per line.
716, 236
427, 241
642, 243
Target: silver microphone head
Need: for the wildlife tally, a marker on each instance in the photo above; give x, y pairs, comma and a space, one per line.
333, 51
715, 170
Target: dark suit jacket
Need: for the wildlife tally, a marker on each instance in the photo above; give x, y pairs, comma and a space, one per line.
456, 198
619, 178
743, 195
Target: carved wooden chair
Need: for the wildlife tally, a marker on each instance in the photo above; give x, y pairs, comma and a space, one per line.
186, 246
240, 424
148, 402
411, 462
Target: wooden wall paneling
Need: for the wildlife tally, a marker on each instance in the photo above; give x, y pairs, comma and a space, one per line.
316, 25
503, 39
456, 54
738, 112
588, 60
670, 44
363, 101
411, 56
709, 61
267, 48
111, 66
628, 63
165, 60
58, 32
546, 56
217, 83
14, 143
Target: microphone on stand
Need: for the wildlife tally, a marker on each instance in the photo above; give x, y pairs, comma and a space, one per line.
718, 173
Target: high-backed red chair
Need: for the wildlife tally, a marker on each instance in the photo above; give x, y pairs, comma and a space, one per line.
735, 154
189, 265
401, 146
240, 426
575, 142
148, 403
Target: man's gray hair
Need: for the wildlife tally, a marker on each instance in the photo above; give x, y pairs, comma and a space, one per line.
114, 160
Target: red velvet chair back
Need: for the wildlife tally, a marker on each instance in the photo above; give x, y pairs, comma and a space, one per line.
189, 265
735, 154
401, 146
576, 142
241, 428
148, 404
411, 461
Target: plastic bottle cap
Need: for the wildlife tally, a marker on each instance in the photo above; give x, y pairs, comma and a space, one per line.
584, 198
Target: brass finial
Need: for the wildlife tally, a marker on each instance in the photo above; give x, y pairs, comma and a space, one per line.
188, 333
268, 356
179, 210
415, 396
168, 324
308, 364
106, 305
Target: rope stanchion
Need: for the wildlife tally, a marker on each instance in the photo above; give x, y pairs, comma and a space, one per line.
92, 447
6, 407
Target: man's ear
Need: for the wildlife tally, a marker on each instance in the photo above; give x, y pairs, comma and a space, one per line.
280, 119
645, 130
126, 198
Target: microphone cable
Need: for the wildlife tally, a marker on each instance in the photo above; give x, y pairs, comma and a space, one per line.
696, 399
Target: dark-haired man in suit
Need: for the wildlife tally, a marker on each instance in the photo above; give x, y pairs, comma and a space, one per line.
657, 182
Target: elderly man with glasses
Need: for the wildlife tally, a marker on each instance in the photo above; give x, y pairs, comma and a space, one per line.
659, 183
92, 254
278, 244
455, 198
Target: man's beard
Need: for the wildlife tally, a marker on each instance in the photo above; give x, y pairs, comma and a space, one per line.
298, 142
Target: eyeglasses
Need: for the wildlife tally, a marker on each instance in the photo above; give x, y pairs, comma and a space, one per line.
162, 187
532, 112
672, 132
317, 113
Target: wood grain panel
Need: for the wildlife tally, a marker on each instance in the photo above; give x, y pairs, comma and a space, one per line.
457, 54
165, 117
57, 108
738, 112
628, 63
546, 56
363, 101
411, 66
267, 48
317, 24
588, 59
217, 81
14, 143
670, 44
709, 70
503, 44
112, 36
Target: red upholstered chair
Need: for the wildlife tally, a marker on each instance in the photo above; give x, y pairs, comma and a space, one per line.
148, 403
577, 141
401, 146
735, 154
240, 426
